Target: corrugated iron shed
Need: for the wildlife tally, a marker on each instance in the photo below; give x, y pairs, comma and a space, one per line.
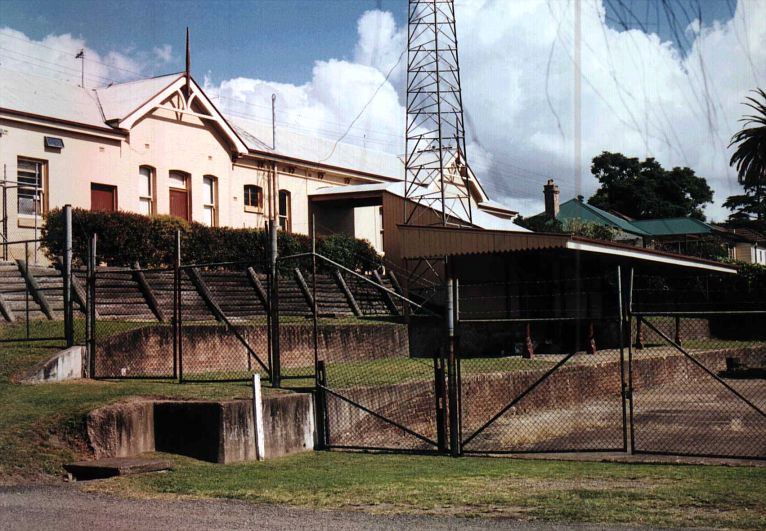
436, 242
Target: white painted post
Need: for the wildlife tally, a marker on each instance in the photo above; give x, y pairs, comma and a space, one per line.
260, 444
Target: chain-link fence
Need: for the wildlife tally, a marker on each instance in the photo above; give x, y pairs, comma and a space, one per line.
541, 366
697, 368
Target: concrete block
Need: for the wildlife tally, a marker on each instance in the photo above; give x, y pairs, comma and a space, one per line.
288, 422
123, 429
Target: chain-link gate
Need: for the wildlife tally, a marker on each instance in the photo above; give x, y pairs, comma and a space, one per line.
380, 370
541, 366
697, 370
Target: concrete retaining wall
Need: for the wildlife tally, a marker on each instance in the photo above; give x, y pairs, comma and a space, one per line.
64, 365
148, 351
215, 431
412, 404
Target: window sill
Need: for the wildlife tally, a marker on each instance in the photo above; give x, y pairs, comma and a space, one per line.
253, 210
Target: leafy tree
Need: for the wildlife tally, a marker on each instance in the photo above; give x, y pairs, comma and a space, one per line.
646, 190
749, 159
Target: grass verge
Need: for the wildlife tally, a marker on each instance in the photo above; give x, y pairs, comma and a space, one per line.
609, 493
41, 426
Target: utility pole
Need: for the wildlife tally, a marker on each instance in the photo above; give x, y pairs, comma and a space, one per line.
81, 55
273, 121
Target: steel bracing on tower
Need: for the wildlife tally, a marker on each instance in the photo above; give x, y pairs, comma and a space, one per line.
436, 173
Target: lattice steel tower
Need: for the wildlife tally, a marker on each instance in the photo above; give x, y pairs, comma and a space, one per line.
436, 172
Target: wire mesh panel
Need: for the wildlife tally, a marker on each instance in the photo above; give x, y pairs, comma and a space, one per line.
223, 327
133, 333
378, 385
541, 366
295, 307
699, 384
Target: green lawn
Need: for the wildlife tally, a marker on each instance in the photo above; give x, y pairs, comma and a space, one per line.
41, 425
609, 493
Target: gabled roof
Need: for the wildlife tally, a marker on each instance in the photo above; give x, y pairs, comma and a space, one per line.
672, 226
118, 101
576, 209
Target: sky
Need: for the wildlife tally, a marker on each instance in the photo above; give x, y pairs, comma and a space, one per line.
657, 80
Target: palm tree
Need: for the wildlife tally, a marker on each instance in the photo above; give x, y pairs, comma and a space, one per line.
749, 158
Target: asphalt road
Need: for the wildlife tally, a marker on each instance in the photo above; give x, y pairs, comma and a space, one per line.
66, 507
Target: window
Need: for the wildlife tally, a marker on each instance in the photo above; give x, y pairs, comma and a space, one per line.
284, 210
253, 198
31, 177
210, 204
146, 185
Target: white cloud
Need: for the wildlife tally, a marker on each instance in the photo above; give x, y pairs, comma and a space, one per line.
164, 53
641, 96
54, 56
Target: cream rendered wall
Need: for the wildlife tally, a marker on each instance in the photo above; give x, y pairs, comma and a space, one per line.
165, 142
84, 159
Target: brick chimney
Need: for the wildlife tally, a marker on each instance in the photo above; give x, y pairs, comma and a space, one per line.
551, 192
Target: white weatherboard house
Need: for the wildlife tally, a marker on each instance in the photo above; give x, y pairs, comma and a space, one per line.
160, 146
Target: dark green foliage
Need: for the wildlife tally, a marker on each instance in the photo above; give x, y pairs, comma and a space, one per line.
710, 248
124, 238
750, 161
646, 190
539, 223
542, 223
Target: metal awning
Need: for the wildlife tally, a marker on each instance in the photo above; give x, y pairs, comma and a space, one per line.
436, 242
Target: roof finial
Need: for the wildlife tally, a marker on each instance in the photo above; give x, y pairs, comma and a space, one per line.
188, 64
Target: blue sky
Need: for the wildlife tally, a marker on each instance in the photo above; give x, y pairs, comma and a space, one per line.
277, 40
272, 39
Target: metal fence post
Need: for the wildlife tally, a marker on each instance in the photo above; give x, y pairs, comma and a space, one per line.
454, 399
5, 213
178, 354
323, 439
26, 289
90, 312
315, 309
275, 365
67, 277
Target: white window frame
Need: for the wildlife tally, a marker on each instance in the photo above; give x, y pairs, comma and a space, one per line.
210, 200
37, 189
147, 199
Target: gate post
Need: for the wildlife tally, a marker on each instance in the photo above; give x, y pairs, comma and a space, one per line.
320, 398
274, 362
67, 277
453, 385
441, 400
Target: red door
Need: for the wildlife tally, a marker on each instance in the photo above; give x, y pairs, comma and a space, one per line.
103, 198
179, 203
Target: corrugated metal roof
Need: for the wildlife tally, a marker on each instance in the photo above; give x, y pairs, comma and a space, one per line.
435, 242
672, 226
318, 150
42, 96
576, 209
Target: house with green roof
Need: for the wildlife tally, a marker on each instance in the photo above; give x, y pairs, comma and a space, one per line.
670, 233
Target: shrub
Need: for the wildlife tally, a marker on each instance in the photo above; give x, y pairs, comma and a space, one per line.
124, 238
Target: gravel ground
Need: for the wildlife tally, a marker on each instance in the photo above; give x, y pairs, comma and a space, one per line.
66, 507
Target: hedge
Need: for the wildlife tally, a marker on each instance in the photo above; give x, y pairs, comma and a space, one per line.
124, 238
